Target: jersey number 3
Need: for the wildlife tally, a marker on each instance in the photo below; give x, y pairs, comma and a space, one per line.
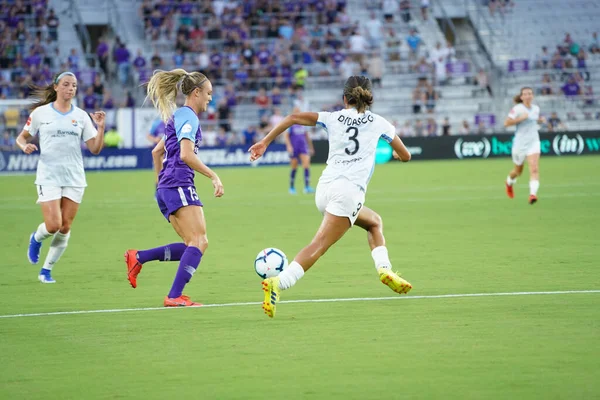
353, 139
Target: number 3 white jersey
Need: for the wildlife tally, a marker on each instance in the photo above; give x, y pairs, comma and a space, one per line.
61, 162
353, 139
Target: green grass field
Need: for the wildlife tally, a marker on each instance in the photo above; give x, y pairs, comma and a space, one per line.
449, 228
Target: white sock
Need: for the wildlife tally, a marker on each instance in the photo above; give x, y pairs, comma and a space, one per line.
533, 187
510, 181
57, 248
381, 258
290, 275
41, 233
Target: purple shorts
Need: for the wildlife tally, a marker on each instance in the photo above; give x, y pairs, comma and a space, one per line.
172, 199
298, 149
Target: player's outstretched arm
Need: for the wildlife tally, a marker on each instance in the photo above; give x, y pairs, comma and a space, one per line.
22, 140
189, 157
400, 151
302, 118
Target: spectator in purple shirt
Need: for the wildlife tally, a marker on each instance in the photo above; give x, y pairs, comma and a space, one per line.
216, 58
33, 59
108, 102
89, 100
263, 54
52, 23
121, 56
571, 89
140, 61
102, 54
276, 97
337, 57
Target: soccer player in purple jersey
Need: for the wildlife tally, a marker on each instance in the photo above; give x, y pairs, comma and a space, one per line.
299, 147
175, 160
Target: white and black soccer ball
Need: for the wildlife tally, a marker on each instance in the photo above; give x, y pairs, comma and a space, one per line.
270, 262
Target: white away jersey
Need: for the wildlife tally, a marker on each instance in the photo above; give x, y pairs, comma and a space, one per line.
527, 131
353, 141
61, 162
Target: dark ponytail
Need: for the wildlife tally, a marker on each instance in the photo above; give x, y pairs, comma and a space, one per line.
357, 91
45, 94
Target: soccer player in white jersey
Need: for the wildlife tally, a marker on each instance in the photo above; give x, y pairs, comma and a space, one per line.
353, 136
526, 144
60, 178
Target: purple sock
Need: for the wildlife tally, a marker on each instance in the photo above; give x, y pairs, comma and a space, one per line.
292, 178
187, 266
170, 252
306, 177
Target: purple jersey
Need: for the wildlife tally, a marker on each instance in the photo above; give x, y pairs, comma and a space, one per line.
183, 125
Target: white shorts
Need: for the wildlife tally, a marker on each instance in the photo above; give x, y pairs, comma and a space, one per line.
49, 193
341, 198
520, 153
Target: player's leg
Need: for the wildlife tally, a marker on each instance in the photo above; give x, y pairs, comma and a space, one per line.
293, 169
49, 201
331, 230
533, 160
191, 227
370, 221
518, 160
134, 259
60, 241
305, 160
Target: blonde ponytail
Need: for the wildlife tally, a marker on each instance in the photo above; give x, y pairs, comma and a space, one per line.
162, 91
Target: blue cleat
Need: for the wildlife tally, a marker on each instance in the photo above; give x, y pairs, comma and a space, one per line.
308, 190
45, 276
33, 253
292, 191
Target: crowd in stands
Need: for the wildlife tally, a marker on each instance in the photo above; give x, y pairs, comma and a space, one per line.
259, 53
566, 73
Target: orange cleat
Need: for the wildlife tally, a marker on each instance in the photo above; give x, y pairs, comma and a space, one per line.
509, 191
532, 199
181, 301
133, 267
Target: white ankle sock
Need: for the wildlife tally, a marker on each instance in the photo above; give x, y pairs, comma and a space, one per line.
57, 248
510, 181
381, 258
290, 275
533, 187
41, 233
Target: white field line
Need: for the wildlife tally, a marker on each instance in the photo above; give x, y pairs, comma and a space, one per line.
439, 296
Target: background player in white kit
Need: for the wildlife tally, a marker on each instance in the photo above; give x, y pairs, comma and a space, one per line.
526, 143
353, 136
60, 177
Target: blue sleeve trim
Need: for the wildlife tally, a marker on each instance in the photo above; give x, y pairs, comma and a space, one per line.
322, 125
186, 124
386, 138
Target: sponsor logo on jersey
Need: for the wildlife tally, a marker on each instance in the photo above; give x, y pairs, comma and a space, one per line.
187, 128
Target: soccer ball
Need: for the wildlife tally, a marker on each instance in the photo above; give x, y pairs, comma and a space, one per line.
270, 262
